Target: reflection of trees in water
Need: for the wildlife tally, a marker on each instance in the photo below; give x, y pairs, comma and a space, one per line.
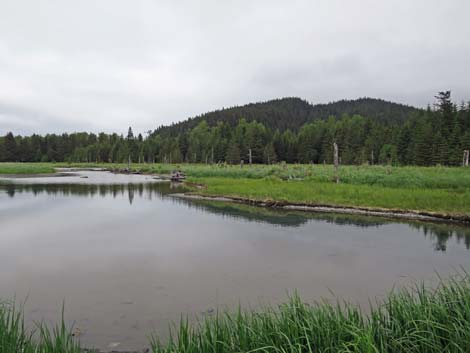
438, 233
279, 217
148, 190
441, 233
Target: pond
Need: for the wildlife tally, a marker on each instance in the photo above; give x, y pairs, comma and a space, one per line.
127, 258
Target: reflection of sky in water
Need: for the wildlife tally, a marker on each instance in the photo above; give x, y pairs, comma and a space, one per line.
128, 258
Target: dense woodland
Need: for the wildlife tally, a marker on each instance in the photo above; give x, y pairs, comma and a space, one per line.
290, 129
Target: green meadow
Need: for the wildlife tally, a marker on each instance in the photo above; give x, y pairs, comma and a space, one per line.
26, 168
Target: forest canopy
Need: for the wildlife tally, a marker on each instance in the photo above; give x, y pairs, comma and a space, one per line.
366, 130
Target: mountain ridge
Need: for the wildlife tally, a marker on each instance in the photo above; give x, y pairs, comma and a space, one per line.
293, 112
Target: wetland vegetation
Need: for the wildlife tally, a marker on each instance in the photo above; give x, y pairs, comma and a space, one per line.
443, 190
414, 319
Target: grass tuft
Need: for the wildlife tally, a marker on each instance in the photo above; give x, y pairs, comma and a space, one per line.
16, 338
416, 319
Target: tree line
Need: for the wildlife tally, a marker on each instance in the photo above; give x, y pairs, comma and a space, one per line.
437, 135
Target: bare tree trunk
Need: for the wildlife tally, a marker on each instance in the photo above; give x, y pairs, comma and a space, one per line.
129, 162
336, 161
466, 157
249, 155
241, 163
212, 155
372, 157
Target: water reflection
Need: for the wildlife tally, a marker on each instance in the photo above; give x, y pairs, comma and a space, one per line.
142, 190
438, 233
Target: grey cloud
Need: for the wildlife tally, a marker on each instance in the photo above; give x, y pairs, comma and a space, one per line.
105, 65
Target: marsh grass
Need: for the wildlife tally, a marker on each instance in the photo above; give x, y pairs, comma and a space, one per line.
386, 176
415, 319
16, 338
449, 201
26, 168
433, 189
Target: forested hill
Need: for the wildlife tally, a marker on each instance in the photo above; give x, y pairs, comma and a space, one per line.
292, 113
292, 130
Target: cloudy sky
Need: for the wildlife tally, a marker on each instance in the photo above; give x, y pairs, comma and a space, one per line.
102, 65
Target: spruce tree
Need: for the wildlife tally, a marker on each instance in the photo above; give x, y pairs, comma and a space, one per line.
9, 149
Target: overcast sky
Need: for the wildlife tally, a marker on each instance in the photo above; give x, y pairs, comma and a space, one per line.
102, 65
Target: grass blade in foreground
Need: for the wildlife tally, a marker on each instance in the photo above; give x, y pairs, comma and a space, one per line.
15, 338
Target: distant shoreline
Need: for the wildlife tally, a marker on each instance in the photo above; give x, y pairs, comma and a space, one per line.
305, 207
431, 194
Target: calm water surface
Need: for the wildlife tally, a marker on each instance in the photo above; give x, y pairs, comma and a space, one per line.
128, 258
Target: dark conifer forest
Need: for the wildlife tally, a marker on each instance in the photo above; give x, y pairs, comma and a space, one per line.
366, 130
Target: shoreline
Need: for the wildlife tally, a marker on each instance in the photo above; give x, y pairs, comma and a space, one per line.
424, 216
324, 208
37, 175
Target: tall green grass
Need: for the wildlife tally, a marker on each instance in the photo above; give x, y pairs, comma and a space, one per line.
386, 176
26, 168
16, 338
416, 319
448, 201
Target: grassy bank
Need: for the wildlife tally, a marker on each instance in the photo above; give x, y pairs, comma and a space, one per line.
387, 176
416, 319
446, 201
26, 168
431, 189
409, 320
395, 177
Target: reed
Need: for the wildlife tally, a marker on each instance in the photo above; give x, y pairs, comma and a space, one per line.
16, 338
416, 319
412, 319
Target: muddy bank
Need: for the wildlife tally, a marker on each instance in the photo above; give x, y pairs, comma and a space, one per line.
321, 208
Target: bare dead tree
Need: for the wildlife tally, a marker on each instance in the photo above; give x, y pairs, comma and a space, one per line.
336, 161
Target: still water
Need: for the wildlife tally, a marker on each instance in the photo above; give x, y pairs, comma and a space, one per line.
127, 258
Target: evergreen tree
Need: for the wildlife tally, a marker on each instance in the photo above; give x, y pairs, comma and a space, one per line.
233, 153
9, 149
423, 146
